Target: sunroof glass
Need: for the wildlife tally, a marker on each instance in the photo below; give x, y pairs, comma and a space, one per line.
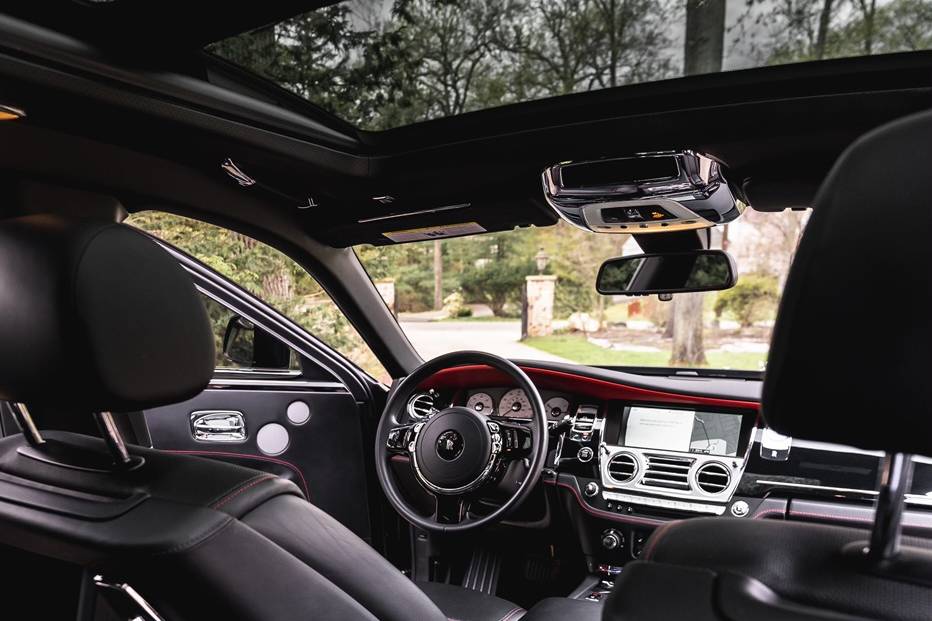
389, 63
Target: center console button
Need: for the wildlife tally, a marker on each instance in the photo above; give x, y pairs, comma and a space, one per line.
612, 539
584, 454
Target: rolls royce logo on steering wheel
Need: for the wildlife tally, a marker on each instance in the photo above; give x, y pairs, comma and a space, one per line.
450, 445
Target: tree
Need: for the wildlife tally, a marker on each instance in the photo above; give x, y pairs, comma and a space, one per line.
578, 45
495, 283
438, 274
703, 44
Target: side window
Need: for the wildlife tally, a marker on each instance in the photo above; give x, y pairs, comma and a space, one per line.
270, 276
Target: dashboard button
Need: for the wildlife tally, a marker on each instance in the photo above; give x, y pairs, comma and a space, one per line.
592, 488
740, 509
585, 454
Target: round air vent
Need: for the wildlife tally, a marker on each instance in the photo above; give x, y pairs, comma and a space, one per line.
622, 467
713, 478
421, 406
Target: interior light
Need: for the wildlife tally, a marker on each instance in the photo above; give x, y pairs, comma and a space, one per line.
9, 113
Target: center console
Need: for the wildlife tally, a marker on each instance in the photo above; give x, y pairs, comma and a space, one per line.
630, 467
680, 459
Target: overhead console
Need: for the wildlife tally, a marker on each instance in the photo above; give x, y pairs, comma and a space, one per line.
674, 458
647, 193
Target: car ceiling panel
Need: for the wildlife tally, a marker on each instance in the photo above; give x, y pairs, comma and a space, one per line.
784, 144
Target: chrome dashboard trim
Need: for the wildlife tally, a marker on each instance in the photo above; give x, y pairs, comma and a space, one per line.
664, 503
735, 466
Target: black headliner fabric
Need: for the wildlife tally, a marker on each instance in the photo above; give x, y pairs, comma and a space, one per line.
851, 359
95, 316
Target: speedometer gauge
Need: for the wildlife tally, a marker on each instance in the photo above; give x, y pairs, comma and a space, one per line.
515, 403
556, 407
480, 402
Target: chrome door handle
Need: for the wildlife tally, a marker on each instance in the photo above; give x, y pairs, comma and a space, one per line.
218, 426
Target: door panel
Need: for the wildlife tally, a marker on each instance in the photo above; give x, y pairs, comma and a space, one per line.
324, 455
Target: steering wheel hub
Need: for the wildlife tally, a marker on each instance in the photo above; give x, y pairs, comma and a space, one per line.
455, 450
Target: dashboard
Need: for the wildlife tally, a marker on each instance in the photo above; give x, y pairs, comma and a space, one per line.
630, 452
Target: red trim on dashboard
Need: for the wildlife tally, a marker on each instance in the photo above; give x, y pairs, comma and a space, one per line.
274, 460
474, 376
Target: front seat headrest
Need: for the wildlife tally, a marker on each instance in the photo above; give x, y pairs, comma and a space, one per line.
96, 316
851, 356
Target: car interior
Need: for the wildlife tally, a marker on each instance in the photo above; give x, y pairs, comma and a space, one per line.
140, 480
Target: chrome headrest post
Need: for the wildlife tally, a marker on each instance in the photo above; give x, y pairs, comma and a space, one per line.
26, 424
896, 479
114, 439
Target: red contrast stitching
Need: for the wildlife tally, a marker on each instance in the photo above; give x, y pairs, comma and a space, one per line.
274, 460
655, 539
242, 489
762, 514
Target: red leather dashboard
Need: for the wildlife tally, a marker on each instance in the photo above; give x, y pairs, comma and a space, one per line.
475, 376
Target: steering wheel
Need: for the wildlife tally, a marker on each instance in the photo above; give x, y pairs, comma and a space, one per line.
457, 452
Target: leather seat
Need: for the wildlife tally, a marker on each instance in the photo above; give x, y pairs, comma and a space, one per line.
115, 323
828, 379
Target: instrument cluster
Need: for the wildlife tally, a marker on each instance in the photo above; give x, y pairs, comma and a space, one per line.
514, 403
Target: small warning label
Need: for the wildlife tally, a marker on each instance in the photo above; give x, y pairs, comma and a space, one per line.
435, 232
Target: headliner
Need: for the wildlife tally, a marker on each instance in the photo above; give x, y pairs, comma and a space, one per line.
777, 129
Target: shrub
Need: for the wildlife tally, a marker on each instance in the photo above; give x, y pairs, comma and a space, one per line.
753, 298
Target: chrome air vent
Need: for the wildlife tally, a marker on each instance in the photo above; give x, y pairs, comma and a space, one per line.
622, 467
668, 472
421, 405
713, 478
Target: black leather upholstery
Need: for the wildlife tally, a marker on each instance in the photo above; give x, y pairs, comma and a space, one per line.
206, 539
564, 609
462, 604
811, 565
830, 376
96, 316
104, 311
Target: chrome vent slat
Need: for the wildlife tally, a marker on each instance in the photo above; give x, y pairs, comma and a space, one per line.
667, 472
421, 406
622, 467
713, 478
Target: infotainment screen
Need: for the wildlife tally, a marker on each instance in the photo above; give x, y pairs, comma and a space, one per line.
687, 431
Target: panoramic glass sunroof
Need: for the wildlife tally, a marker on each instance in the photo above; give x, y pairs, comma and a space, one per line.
381, 64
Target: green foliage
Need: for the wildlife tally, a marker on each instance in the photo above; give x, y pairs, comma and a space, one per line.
267, 274
752, 298
496, 283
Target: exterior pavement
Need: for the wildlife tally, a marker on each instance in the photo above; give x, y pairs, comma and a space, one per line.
434, 338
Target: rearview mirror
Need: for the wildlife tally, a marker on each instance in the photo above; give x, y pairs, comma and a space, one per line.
670, 272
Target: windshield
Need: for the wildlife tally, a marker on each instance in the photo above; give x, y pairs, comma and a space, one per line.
380, 64
530, 294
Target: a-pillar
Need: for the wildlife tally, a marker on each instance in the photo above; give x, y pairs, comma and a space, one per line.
386, 288
537, 319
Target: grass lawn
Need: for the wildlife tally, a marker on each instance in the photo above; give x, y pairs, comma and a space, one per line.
578, 349
481, 319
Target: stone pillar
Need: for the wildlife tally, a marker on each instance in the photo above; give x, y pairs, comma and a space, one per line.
538, 308
386, 288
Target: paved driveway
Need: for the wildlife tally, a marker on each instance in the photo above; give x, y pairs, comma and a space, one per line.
433, 338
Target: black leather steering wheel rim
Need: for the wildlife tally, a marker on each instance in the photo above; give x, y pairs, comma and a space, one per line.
391, 418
